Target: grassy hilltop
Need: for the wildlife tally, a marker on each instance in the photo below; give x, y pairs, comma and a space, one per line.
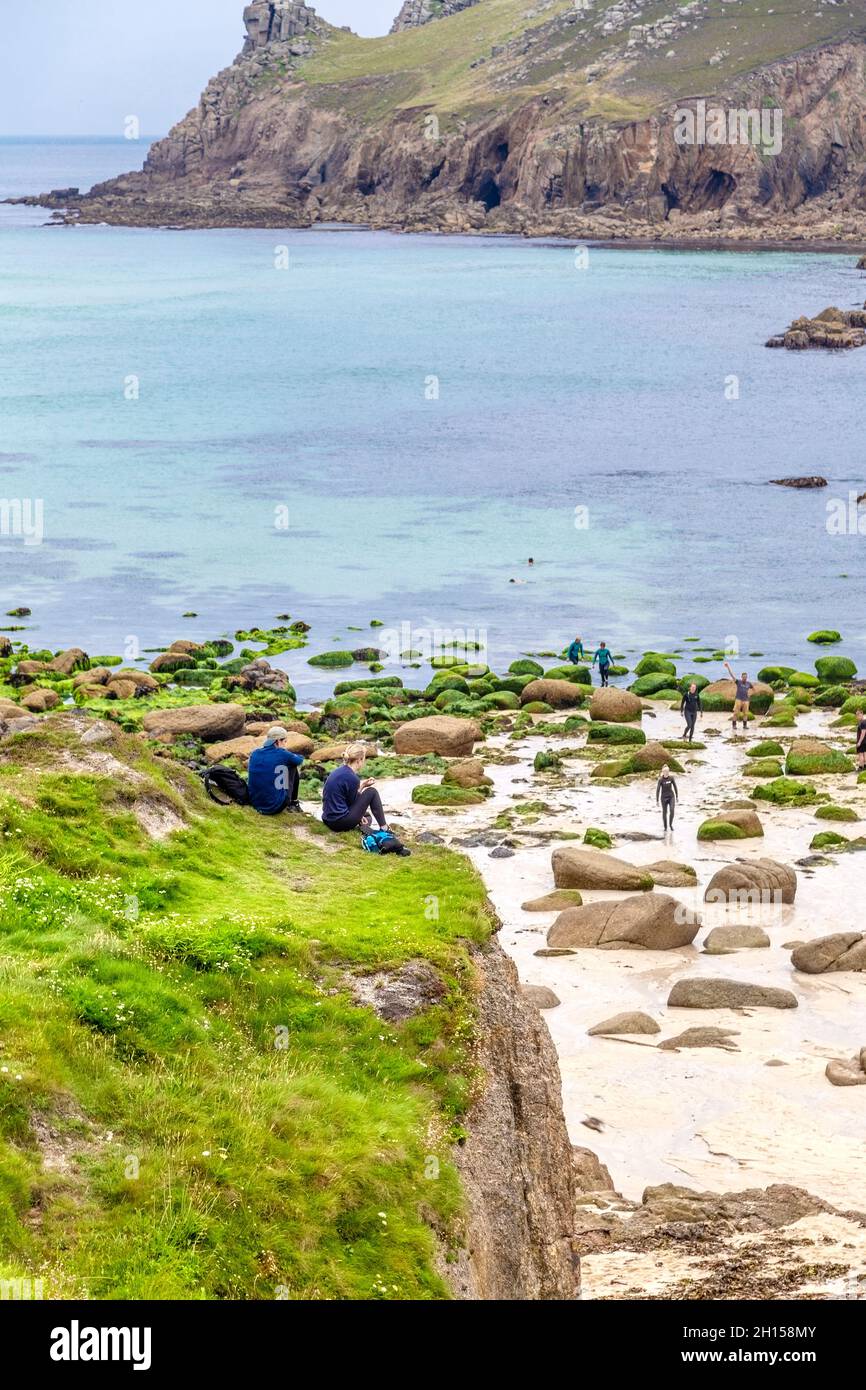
191, 1104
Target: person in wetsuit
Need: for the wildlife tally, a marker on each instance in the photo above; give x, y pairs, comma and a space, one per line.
861, 740
604, 657
690, 708
576, 651
667, 795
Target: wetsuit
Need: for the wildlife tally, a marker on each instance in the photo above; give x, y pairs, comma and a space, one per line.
668, 795
861, 738
604, 658
690, 708
575, 652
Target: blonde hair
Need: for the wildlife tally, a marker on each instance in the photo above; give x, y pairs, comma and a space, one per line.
355, 753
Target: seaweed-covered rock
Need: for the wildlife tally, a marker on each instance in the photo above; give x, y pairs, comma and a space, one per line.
833, 669
824, 637
445, 795
526, 667
599, 839
731, 825
787, 791
768, 748
66, 663
590, 868
838, 813
827, 839
172, 661
331, 660
809, 757
650, 685
648, 922
468, 772
652, 663
763, 767
615, 733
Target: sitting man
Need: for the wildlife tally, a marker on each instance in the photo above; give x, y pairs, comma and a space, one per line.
346, 800
273, 775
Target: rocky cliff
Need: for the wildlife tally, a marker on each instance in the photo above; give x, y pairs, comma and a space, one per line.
560, 119
416, 12
517, 1165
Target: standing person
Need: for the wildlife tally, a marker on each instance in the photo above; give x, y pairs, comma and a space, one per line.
273, 775
347, 802
604, 657
668, 794
576, 652
690, 708
741, 703
861, 740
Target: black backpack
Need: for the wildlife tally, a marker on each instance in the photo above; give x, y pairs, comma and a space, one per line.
226, 787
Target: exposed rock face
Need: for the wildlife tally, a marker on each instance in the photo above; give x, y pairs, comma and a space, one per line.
833, 328
653, 922
516, 1164
414, 13
396, 995
277, 21
532, 150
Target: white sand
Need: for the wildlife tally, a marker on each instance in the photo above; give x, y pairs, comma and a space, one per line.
705, 1118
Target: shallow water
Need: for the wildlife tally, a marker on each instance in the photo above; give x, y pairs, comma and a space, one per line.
392, 425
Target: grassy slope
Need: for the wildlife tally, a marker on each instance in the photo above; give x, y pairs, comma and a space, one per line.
143, 985
430, 67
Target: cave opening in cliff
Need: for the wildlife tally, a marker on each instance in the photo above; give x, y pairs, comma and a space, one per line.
713, 193
502, 152
488, 192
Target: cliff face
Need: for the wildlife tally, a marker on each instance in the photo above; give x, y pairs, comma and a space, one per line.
516, 1165
572, 124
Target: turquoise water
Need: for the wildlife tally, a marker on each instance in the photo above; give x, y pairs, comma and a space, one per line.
306, 395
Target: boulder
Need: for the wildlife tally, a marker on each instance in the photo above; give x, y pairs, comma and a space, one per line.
828, 954
612, 706
721, 941
731, 825
330, 753
594, 868
186, 647
118, 690
624, 1023
97, 675
808, 757
540, 996
558, 694
728, 994
40, 701
846, 1073
142, 680
69, 661
590, 1174
9, 709
207, 722
651, 923
701, 1037
260, 675
438, 733
668, 874
752, 881
720, 695
239, 748
28, 670
652, 756
557, 901
468, 772
172, 661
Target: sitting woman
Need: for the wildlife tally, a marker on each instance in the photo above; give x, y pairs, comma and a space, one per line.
347, 801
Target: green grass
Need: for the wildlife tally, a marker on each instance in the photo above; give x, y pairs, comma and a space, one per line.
223, 1122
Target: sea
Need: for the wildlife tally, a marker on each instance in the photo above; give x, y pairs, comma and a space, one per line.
355, 427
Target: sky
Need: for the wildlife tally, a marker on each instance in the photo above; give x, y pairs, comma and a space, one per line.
81, 67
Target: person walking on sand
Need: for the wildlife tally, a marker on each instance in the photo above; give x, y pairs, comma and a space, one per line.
667, 794
690, 708
604, 658
861, 741
576, 651
741, 702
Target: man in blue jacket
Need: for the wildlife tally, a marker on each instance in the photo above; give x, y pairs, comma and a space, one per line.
273, 775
